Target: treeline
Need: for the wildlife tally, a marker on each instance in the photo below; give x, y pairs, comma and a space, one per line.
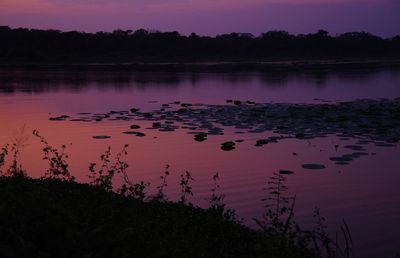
31, 45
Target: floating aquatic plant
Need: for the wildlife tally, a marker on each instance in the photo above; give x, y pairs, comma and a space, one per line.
228, 146
101, 137
200, 137
313, 166
285, 172
369, 121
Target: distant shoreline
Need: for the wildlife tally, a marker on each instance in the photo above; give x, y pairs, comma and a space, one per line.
273, 65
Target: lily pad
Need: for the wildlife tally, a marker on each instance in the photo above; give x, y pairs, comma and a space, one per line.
166, 129
125, 118
186, 105
156, 124
261, 142
59, 118
101, 137
228, 146
300, 135
285, 172
313, 166
130, 132
139, 134
200, 137
341, 159
273, 139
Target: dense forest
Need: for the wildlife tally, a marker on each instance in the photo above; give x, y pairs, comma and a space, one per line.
23, 45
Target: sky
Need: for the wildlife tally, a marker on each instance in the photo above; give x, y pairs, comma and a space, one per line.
206, 17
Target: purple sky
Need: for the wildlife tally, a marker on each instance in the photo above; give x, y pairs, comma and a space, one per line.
206, 17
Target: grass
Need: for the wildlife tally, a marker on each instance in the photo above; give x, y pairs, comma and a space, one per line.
54, 216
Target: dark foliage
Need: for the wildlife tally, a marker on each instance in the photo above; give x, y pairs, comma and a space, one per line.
58, 165
52, 46
103, 177
55, 218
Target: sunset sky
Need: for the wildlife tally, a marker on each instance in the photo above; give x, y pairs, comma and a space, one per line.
206, 17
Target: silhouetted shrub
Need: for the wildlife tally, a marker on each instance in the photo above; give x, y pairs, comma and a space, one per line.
155, 46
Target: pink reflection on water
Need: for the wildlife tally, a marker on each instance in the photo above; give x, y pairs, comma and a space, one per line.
364, 193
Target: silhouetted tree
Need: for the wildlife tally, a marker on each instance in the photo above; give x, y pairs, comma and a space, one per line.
31, 45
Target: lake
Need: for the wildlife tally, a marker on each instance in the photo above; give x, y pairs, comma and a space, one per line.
365, 192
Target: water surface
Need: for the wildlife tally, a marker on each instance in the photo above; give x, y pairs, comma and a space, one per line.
365, 192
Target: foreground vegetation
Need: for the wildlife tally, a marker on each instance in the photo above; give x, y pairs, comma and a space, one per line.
54, 216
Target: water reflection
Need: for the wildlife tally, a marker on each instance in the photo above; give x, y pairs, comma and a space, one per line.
353, 192
37, 80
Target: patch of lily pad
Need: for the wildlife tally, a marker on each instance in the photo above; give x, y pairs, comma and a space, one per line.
286, 172
139, 134
368, 121
345, 159
228, 146
341, 159
313, 166
59, 118
200, 137
101, 137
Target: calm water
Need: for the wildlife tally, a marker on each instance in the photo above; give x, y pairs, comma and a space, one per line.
366, 193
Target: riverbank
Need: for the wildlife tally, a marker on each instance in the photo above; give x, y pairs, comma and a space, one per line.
272, 65
61, 218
